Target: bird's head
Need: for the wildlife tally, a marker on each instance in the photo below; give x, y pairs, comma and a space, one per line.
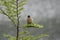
28, 16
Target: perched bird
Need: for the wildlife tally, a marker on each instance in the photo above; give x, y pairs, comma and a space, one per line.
29, 19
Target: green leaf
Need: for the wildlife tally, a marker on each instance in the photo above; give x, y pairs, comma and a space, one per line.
41, 36
22, 1
12, 38
20, 10
1, 12
12, 2
5, 35
13, 6
22, 4
33, 25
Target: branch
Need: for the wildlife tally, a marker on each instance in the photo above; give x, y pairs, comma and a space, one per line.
8, 17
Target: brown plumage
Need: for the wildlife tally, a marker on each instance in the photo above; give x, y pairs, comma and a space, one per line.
29, 19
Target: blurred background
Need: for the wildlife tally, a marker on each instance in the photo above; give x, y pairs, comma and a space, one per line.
44, 12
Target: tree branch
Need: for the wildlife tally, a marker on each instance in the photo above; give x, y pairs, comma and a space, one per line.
8, 17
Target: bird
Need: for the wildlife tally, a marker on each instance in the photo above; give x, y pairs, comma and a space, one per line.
29, 19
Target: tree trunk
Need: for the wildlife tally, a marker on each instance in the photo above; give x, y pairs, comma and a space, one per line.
17, 35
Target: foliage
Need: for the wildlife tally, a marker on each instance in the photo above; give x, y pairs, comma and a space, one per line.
33, 25
11, 8
25, 36
13, 12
